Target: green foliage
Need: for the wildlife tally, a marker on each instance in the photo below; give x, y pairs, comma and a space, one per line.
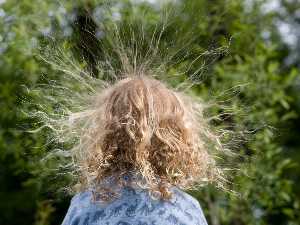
268, 102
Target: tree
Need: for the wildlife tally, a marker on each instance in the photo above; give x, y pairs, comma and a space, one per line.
269, 101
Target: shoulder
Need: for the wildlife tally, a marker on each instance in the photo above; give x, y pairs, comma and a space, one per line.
80, 203
185, 198
188, 206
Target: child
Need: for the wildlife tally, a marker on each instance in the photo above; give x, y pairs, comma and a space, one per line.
142, 145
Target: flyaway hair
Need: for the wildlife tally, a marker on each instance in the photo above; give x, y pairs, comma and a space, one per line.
131, 120
138, 125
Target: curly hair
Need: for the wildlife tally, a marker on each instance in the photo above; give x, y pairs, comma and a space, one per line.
140, 126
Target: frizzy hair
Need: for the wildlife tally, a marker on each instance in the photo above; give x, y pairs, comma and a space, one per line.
161, 137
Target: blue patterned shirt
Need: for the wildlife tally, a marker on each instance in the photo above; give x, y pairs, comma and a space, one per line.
136, 207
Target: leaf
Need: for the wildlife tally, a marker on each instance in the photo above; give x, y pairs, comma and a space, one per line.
28, 182
285, 196
289, 212
284, 103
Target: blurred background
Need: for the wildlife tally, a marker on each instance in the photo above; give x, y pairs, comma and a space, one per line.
263, 41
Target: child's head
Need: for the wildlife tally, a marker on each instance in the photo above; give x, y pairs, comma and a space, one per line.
141, 126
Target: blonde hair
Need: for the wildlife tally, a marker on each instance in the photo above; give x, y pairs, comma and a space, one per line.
140, 126
136, 125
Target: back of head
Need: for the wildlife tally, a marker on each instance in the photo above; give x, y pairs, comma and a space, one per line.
142, 127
